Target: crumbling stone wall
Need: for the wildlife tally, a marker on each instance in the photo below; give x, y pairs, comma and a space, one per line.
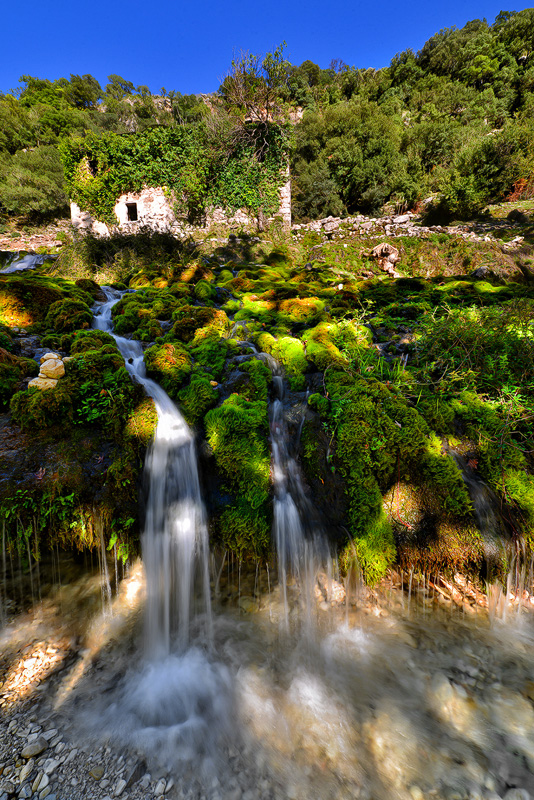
153, 209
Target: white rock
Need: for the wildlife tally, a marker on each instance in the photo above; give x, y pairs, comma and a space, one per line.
120, 787
48, 356
53, 368
517, 794
43, 383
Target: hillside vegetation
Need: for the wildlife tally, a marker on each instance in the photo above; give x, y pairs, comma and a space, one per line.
452, 122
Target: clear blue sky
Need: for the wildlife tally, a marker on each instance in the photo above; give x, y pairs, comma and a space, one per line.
188, 46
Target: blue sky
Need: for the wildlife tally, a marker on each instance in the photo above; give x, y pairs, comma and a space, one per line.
188, 46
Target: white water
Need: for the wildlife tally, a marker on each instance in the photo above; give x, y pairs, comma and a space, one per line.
299, 555
380, 706
17, 262
175, 536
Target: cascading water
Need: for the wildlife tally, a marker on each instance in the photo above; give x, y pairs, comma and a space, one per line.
298, 555
175, 537
19, 262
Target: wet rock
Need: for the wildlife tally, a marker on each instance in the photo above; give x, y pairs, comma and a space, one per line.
35, 748
160, 788
97, 772
518, 216
136, 773
517, 794
26, 770
248, 605
120, 786
41, 782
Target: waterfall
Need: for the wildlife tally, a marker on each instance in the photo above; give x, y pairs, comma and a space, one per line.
18, 262
299, 555
175, 537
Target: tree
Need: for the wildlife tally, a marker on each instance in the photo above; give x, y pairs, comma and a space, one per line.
83, 91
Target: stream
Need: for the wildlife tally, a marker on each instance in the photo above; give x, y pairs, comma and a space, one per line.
204, 680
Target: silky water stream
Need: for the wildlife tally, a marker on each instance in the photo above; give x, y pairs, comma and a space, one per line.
303, 696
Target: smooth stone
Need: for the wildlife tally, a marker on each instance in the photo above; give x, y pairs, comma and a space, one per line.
160, 788
50, 356
35, 748
97, 772
41, 782
120, 787
136, 773
50, 733
42, 383
517, 794
26, 770
52, 369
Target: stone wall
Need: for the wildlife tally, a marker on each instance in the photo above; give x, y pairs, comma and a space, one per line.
152, 208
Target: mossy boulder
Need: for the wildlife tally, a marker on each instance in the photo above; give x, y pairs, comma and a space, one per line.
91, 340
68, 315
35, 409
12, 370
197, 398
170, 364
236, 432
142, 421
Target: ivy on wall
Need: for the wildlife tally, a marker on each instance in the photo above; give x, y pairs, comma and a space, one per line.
185, 160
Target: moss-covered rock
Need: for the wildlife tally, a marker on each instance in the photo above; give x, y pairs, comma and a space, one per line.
236, 432
68, 315
170, 364
197, 398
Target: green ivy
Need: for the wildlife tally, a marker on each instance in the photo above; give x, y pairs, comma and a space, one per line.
185, 160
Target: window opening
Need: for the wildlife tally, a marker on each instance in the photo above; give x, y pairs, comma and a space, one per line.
132, 212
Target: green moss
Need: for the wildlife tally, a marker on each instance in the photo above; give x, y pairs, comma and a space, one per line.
89, 286
142, 421
260, 377
36, 409
373, 553
188, 319
319, 403
12, 370
290, 352
245, 531
204, 291
197, 398
236, 432
169, 363
91, 340
443, 475
320, 347
68, 315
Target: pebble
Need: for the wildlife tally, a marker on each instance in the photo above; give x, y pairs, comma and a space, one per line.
41, 782
120, 786
26, 770
160, 788
517, 794
97, 772
35, 748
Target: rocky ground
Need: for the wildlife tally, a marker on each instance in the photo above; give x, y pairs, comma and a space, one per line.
49, 238
387, 702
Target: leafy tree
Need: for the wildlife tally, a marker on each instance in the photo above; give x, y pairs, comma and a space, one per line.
31, 183
83, 91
